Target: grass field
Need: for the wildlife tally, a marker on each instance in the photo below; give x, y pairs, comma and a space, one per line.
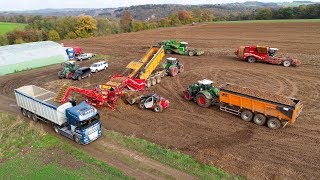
7, 27
268, 21
27, 152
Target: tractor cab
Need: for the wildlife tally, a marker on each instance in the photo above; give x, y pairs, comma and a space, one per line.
272, 51
205, 84
172, 60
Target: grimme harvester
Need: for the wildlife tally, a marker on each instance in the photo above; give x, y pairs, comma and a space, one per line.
174, 46
138, 75
68, 68
266, 54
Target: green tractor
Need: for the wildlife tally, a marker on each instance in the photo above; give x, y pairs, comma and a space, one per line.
203, 92
174, 46
68, 68
173, 66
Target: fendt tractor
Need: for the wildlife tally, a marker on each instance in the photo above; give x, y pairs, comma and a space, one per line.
173, 66
68, 69
265, 54
80, 123
203, 92
177, 47
250, 104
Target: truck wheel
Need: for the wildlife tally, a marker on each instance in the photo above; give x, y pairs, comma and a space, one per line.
158, 79
158, 108
148, 83
286, 63
173, 71
187, 95
251, 59
190, 53
141, 105
153, 81
24, 112
202, 100
181, 69
273, 123
34, 118
76, 139
246, 115
259, 119
29, 114
56, 129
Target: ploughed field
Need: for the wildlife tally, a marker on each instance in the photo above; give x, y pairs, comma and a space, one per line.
208, 134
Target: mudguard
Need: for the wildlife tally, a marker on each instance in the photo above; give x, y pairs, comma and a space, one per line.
207, 94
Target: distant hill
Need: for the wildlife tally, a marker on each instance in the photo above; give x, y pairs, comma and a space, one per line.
149, 11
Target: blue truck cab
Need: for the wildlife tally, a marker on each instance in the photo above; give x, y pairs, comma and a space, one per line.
82, 124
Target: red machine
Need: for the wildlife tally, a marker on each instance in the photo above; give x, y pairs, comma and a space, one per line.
265, 54
77, 50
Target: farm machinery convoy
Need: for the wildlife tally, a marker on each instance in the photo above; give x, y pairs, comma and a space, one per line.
265, 54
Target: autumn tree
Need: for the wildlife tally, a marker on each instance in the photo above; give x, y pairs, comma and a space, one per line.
54, 35
137, 26
126, 22
184, 16
264, 14
85, 26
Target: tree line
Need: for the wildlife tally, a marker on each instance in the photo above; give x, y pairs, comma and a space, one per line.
42, 28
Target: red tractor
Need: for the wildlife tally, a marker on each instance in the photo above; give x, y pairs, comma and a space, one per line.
150, 101
266, 54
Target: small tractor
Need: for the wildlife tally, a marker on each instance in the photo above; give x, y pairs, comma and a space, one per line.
172, 66
266, 54
203, 92
68, 69
150, 101
174, 46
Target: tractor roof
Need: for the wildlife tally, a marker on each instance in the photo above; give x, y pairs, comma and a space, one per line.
171, 59
205, 81
184, 43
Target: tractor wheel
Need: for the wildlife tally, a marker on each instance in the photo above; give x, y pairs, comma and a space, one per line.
251, 59
29, 114
76, 139
259, 119
24, 112
69, 75
273, 123
202, 100
187, 95
153, 81
60, 75
286, 63
141, 105
173, 70
158, 108
168, 51
34, 118
181, 69
148, 83
246, 115
191, 53
158, 79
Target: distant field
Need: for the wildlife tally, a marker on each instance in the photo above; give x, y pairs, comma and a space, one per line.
7, 27
270, 21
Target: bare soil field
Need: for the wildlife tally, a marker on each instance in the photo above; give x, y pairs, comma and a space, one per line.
212, 136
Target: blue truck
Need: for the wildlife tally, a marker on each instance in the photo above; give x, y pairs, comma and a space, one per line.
80, 123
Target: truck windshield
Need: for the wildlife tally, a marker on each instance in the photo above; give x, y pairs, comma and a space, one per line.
88, 122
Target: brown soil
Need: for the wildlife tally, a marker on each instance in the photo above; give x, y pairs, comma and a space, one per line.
212, 136
260, 94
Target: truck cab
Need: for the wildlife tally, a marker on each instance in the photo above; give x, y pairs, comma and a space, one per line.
82, 124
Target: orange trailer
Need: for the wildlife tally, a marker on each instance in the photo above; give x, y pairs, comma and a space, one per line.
260, 110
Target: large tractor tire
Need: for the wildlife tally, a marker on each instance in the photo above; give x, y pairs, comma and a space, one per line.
286, 63
202, 100
187, 95
274, 123
60, 75
251, 59
181, 69
158, 108
173, 70
246, 115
